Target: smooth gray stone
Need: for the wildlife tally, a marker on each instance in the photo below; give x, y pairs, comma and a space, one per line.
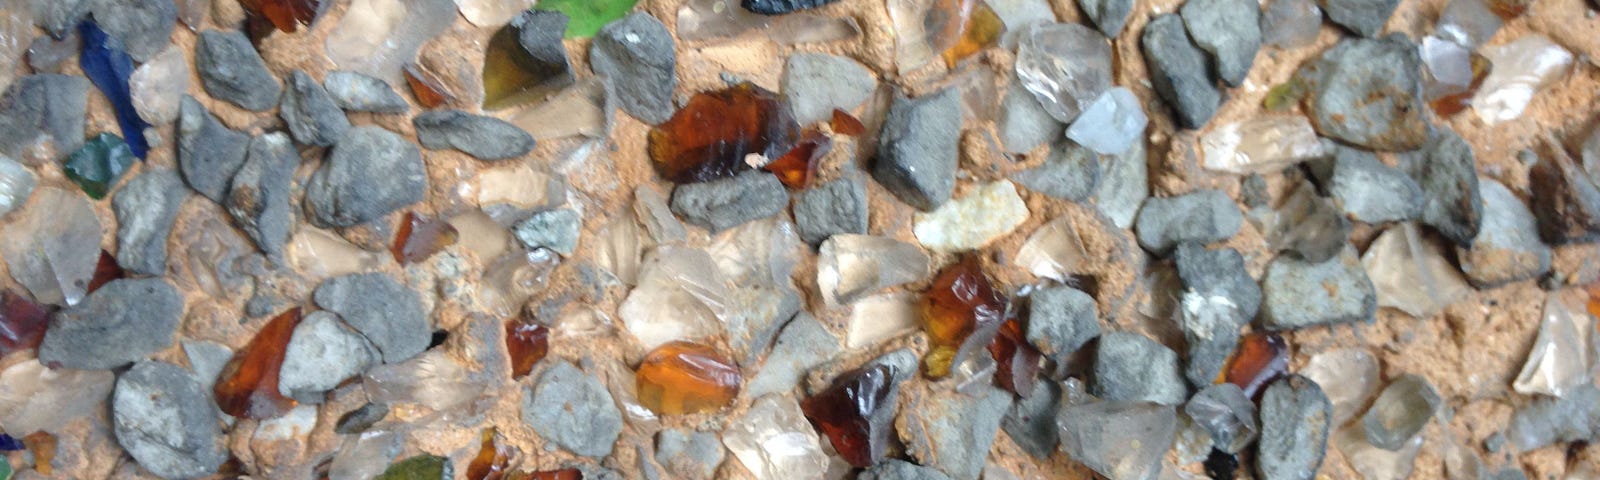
146, 208
123, 322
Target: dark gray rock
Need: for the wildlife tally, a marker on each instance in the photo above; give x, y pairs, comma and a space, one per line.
1203, 216
755, 314
1308, 225
832, 208
143, 26
1124, 185
1369, 191
1031, 422
1507, 249
780, 7
360, 93
1061, 320
1226, 413
953, 432
59, 17
1117, 439
1300, 294
260, 199
917, 149
1565, 200
1219, 272
1219, 298
1368, 93
1230, 30
635, 55
1024, 124
689, 455
801, 346
557, 230
1071, 172
1294, 429
322, 353
1549, 420
1130, 367
381, 309
360, 419
816, 84
722, 204
1364, 17
206, 359
893, 469
209, 153
1253, 191
367, 175
573, 410
123, 322
46, 54
165, 419
1449, 178
1108, 15
146, 208
483, 137
232, 71
43, 114
311, 113
1178, 71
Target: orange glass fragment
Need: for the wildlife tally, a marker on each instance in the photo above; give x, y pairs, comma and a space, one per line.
248, 385
1509, 9
845, 124
43, 446
527, 344
981, 28
22, 322
1449, 105
1017, 362
421, 237
710, 137
563, 474
1260, 358
1593, 305
683, 377
796, 168
490, 463
428, 90
286, 15
960, 314
105, 271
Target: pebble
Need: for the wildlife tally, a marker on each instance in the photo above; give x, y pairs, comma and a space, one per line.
1546, 421
360, 419
261, 198
1124, 185
722, 204
1203, 216
310, 112
917, 149
61, 17
689, 455
42, 106
1565, 200
207, 359
158, 85
124, 321
652, 211
1111, 124
357, 92
1230, 30
635, 56
1061, 320
1294, 429
895, 469
143, 26
1219, 298
573, 410
557, 230
989, 211
368, 174
754, 316
1178, 71
165, 419
1108, 15
232, 71
1219, 272
817, 83
1308, 225
1400, 412
802, 346
1507, 248
1368, 93
146, 208
388, 313
1363, 17
832, 208
780, 7
1369, 191
47, 54
1300, 294
483, 137
1118, 439
1024, 124
1227, 414
1130, 367
1071, 172
209, 153
1449, 179
1031, 421
322, 353
953, 432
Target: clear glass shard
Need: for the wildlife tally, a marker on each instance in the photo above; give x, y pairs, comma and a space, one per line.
850, 266
1521, 69
1265, 144
1565, 353
1054, 251
51, 248
1411, 273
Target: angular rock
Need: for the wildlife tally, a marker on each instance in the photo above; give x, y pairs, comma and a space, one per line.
690, 455
1565, 200
1071, 172
321, 354
124, 321
1111, 124
953, 432
1031, 421
780, 7
573, 410
42, 116
635, 55
261, 197
1227, 414
361, 93
158, 86
1368, 93
988, 212
1364, 17
1507, 248
143, 27
816, 84
894, 469
1369, 191
368, 174
164, 418
1117, 439
1230, 30
1124, 185
209, 153
310, 112
556, 230
722, 204
1219, 297
917, 149
1178, 71
1549, 420
1299, 294
1291, 23
232, 71
802, 345
1400, 412
1061, 320
1449, 180
1108, 15
59, 17
52, 249
1204, 216
755, 315
832, 208
483, 137
387, 313
146, 208
1130, 367
1023, 123
1294, 429
1220, 272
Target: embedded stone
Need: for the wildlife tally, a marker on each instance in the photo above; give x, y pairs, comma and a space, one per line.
146, 209
261, 197
310, 112
361, 93
817, 84
1301, 294
573, 410
917, 153
1178, 71
387, 313
162, 417
140, 314
1368, 92
232, 71
1229, 30
1130, 367
635, 56
209, 153
722, 204
483, 137
1205, 216
368, 174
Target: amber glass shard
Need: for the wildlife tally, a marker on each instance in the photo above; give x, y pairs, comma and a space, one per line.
22, 322
514, 75
43, 446
1593, 305
1449, 105
1018, 361
981, 28
709, 138
526, 343
490, 464
856, 413
799, 166
563, 474
845, 124
248, 385
428, 90
1260, 358
1509, 9
105, 271
421, 237
285, 15
960, 314
683, 377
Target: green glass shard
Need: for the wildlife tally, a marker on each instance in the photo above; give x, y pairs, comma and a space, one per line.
420, 467
1285, 95
99, 163
5, 468
588, 15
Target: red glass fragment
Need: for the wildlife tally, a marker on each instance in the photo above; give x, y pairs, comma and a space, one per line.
22, 322
421, 237
1260, 358
960, 314
490, 463
1017, 361
526, 343
105, 271
845, 124
796, 168
856, 413
248, 385
285, 15
428, 90
710, 137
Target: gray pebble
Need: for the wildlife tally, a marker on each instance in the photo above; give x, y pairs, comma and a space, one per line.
1230, 30
689, 455
1024, 124
47, 54
1061, 320
1546, 421
40, 107
1130, 367
1031, 421
1178, 71
1219, 298
832, 208
1368, 93
1108, 15
635, 55
1204, 216
556, 230
652, 211
953, 432
483, 137
60, 17
1124, 185
380, 308
311, 113
1117, 439
1219, 272
1364, 17
1565, 200
143, 26
1300, 294
754, 316
802, 345
232, 71
367, 175
1226, 413
573, 410
146, 208
1369, 191
894, 469
209, 153
164, 418
360, 419
207, 359
123, 322
1507, 248
1071, 172
1453, 204
817, 83
917, 149
1294, 429
261, 197
321, 354
360, 93
722, 204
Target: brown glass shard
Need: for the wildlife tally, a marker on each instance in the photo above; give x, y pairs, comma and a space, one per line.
490, 463
526, 343
981, 28
22, 322
421, 237
285, 15
845, 124
1509, 9
105, 270
563, 474
513, 73
1260, 358
1449, 105
1017, 361
960, 314
683, 377
426, 87
710, 137
856, 413
796, 168
248, 385
43, 446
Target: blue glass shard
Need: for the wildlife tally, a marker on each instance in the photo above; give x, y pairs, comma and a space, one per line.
10, 444
107, 65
